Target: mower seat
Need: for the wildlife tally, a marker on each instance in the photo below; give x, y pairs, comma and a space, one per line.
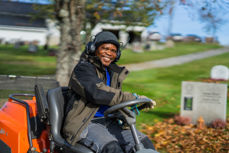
56, 104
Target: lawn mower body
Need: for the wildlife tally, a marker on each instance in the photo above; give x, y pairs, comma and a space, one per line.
34, 126
14, 128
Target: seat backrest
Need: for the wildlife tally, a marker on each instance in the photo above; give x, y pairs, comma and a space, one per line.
41, 102
56, 113
56, 102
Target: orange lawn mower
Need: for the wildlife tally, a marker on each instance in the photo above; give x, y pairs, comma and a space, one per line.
34, 126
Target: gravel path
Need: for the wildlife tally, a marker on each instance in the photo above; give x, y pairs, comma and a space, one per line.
166, 62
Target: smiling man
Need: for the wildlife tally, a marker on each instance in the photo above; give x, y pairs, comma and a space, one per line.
95, 85
107, 53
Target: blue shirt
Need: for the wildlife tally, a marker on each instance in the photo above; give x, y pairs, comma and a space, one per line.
103, 108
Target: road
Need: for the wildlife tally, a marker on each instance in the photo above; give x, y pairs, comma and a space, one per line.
166, 62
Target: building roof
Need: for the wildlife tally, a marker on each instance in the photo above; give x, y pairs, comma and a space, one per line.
18, 8
19, 14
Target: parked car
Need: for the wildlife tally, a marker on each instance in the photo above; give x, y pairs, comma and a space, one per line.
154, 36
175, 37
211, 40
192, 38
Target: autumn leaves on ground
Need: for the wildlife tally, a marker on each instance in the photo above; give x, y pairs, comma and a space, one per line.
178, 135
175, 135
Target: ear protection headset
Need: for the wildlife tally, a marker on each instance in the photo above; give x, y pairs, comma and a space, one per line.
91, 47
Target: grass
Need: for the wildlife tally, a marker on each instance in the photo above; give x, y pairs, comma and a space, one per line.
21, 62
164, 85
18, 61
160, 84
4, 94
180, 49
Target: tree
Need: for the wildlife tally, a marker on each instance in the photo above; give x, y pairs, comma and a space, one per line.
211, 15
70, 15
128, 12
171, 9
210, 12
75, 15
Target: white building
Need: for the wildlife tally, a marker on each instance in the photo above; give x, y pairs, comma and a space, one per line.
124, 33
16, 24
13, 34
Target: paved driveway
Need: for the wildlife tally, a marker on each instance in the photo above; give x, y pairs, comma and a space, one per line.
166, 62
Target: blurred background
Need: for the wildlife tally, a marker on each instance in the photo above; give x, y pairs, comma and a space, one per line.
41, 42
185, 19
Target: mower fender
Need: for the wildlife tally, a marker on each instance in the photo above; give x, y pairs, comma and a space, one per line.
14, 129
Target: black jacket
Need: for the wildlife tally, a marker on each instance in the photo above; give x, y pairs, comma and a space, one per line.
89, 91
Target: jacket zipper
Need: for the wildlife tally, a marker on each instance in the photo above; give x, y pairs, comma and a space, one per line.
84, 120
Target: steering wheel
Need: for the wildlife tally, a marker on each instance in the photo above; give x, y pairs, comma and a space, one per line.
140, 101
130, 117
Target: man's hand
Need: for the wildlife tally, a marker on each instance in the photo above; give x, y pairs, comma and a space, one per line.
149, 105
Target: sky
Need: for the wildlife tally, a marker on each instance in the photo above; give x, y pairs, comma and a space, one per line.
184, 24
34, 1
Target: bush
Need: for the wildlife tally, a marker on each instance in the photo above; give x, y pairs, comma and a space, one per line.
182, 120
218, 124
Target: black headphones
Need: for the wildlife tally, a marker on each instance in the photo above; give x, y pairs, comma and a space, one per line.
91, 48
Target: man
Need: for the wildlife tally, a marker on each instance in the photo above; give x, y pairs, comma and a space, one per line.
95, 85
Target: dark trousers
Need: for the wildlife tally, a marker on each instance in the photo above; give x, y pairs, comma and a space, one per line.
102, 135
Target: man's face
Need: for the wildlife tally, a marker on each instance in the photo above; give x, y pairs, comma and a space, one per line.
107, 53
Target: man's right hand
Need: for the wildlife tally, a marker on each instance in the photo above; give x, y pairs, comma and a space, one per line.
149, 105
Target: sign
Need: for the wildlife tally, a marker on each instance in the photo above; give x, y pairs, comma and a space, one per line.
220, 72
207, 100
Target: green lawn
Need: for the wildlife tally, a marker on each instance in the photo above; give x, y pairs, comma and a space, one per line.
21, 62
180, 49
160, 84
164, 85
